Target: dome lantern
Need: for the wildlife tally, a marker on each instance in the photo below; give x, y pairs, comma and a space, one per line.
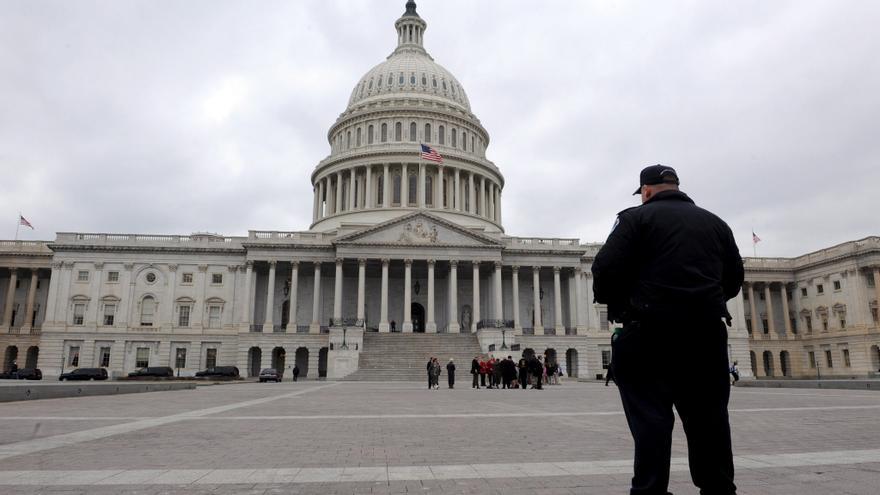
410, 29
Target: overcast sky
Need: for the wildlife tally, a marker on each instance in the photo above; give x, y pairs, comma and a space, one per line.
174, 117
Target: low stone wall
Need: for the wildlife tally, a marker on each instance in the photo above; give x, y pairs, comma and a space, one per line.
863, 384
35, 390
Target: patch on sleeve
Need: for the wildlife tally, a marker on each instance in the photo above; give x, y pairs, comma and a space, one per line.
616, 223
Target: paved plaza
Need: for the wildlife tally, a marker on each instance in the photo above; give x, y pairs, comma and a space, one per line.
344, 437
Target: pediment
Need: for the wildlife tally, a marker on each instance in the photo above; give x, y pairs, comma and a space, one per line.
418, 229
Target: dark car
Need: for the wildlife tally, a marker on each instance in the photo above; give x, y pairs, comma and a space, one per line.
224, 371
29, 374
155, 371
85, 374
270, 374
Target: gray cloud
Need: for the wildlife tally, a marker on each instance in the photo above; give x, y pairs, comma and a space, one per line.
177, 117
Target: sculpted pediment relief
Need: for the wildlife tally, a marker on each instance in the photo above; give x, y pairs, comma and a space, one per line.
418, 230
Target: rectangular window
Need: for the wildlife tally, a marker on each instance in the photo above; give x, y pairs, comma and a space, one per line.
105, 357
828, 360
180, 358
825, 324
148, 309
211, 358
113, 276
213, 316
794, 327
82, 276
109, 314
606, 359
183, 316
187, 278
803, 292
79, 311
808, 321
765, 326
870, 280
820, 289
749, 325
812, 356
73, 356
875, 315
842, 323
603, 319
837, 285
142, 358
216, 278
846, 361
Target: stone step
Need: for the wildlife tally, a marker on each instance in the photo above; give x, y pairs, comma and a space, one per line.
402, 357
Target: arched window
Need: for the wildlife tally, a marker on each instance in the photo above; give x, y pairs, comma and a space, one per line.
381, 191
384, 133
379, 81
358, 137
148, 311
370, 86
434, 81
427, 133
454, 138
441, 135
472, 145
413, 134
464, 140
396, 186
398, 131
413, 181
429, 190
370, 134
348, 139
400, 79
444, 84
390, 79
424, 80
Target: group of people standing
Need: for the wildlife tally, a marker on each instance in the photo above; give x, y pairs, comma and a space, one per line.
530, 370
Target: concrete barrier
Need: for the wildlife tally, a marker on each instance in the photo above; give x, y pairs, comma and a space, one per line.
864, 384
35, 390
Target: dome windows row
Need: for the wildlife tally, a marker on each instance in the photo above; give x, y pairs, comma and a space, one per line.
411, 81
398, 132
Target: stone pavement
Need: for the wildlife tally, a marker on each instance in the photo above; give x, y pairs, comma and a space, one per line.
350, 437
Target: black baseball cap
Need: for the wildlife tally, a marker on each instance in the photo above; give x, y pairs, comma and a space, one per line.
656, 174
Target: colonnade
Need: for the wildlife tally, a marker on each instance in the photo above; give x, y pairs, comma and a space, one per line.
388, 185
27, 321
497, 318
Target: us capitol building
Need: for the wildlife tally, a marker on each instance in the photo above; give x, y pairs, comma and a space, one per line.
404, 258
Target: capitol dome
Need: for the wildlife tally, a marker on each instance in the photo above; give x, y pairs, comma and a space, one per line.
375, 171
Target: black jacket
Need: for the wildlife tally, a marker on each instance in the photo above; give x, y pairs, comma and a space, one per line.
475, 367
666, 259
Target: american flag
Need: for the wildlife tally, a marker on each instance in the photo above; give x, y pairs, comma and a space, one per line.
429, 153
755, 238
23, 221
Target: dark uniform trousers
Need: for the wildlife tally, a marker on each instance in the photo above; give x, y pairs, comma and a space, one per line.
661, 364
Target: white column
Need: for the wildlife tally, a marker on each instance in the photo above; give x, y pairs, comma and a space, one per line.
338, 192
404, 186
476, 309
167, 322
383, 312
315, 327
785, 309
314, 204
498, 204
517, 324
454, 326
337, 294
557, 301
471, 206
421, 189
457, 193
492, 201
52, 299
438, 201
753, 308
499, 309
407, 296
199, 308
430, 324
320, 199
95, 295
876, 289
536, 290
351, 190
268, 323
578, 306
368, 188
29, 306
362, 280
483, 211
386, 188
246, 314
771, 327
294, 284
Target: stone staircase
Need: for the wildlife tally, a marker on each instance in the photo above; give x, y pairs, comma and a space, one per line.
403, 356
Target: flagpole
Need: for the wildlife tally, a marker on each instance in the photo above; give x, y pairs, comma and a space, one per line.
17, 225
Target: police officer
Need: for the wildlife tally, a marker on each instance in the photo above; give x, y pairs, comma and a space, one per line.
666, 273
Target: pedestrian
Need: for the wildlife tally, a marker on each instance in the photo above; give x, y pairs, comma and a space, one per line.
666, 272
538, 371
475, 371
430, 370
295, 372
523, 367
734, 372
435, 373
562, 372
498, 372
450, 373
393, 326
509, 372
490, 372
484, 367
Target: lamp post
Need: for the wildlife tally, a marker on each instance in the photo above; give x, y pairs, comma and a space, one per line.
503, 340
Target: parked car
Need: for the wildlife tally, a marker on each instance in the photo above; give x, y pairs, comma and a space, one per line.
157, 371
227, 371
85, 374
29, 374
270, 374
